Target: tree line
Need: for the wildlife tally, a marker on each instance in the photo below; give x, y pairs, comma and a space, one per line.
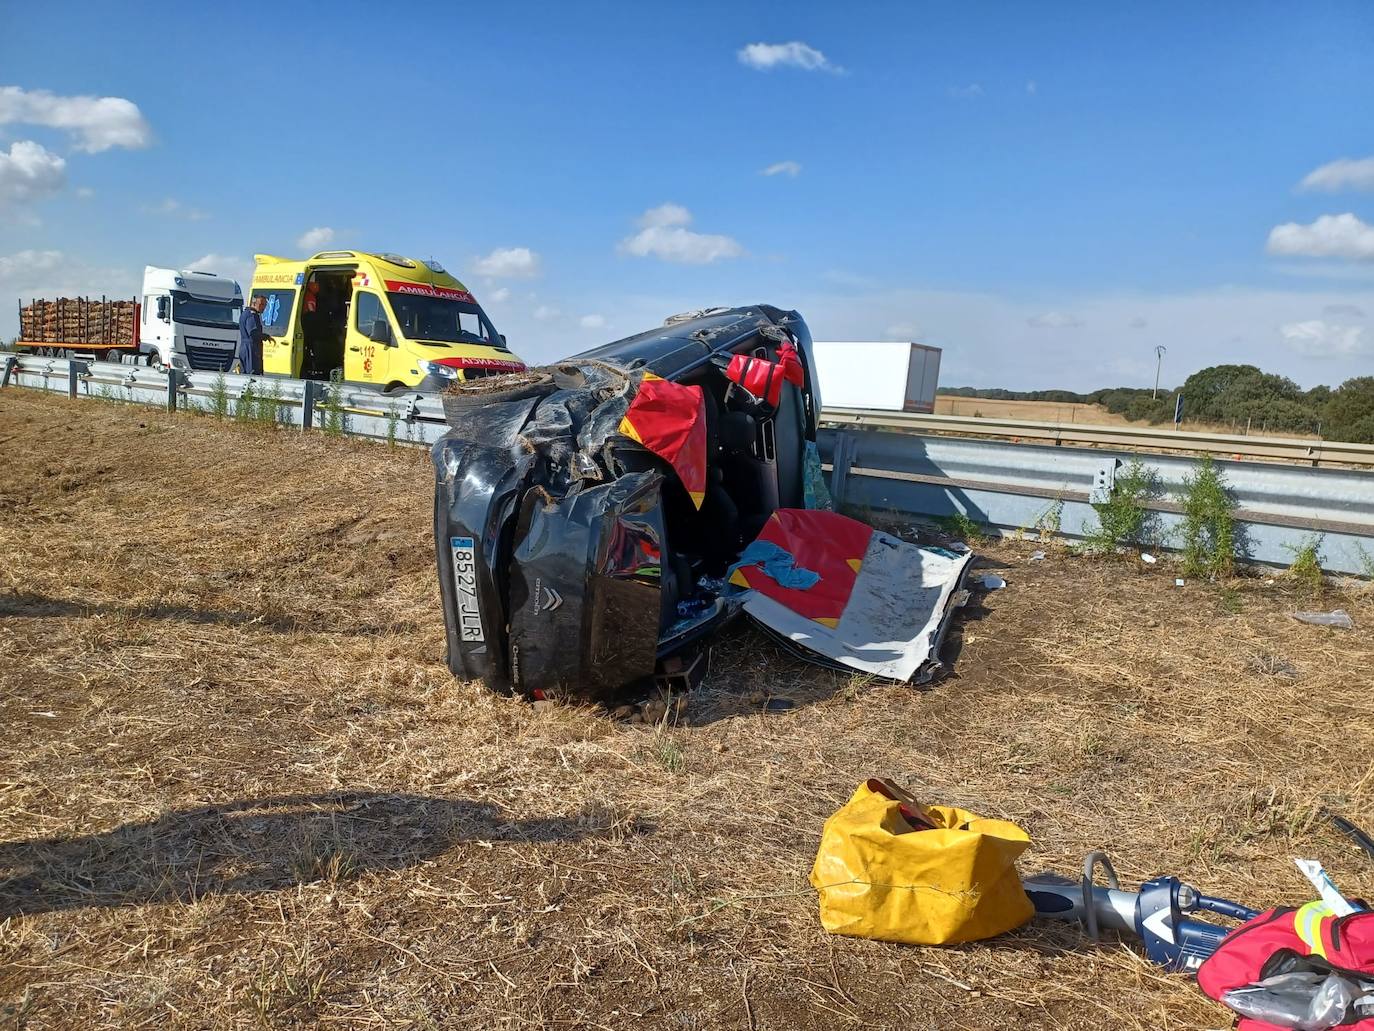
1238, 396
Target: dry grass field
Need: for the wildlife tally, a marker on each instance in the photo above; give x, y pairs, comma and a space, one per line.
1079, 414
1038, 411
239, 789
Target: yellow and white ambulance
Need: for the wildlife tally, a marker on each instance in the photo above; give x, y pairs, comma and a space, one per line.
380, 319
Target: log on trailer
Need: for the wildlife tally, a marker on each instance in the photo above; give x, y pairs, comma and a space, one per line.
78, 323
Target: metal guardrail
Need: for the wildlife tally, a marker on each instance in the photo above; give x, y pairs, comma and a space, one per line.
1229, 445
410, 418
886, 461
1012, 487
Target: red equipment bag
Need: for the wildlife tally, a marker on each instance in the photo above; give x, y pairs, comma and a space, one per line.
764, 379
1282, 939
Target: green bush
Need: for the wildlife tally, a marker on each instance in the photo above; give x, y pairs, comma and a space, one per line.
219, 397
1349, 413
1209, 530
1306, 569
961, 527
1122, 520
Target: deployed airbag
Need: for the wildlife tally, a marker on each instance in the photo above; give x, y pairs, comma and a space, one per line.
879, 606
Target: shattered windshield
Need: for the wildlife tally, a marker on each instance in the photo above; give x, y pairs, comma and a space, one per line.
440, 320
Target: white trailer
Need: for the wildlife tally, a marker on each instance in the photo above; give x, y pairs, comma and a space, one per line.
888, 375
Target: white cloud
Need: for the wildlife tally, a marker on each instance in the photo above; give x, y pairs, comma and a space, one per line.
546, 313
84, 192
1342, 174
767, 56
790, 168
1350, 311
1054, 320
1317, 338
500, 295
98, 123
1031, 87
903, 331
973, 89
1330, 236
592, 322
29, 172
508, 263
21, 267
663, 234
50, 273
238, 269
173, 208
313, 239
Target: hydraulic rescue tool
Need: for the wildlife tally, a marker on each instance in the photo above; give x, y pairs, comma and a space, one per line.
1155, 913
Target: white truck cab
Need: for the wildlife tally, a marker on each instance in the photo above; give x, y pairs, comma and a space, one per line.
188, 319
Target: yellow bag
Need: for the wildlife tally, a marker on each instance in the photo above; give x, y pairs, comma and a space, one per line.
879, 878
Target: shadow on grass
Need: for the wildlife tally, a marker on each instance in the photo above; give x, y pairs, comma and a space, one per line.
261, 845
26, 605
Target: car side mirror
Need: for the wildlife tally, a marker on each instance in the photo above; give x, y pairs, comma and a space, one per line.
503, 339
164, 309
381, 332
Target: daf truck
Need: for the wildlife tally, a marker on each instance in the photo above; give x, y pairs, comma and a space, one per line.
181, 319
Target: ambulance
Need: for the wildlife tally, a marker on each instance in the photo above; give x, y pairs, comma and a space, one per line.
380, 320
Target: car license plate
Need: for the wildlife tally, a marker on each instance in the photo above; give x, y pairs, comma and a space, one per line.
465, 586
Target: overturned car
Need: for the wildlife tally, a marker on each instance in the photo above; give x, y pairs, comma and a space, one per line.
596, 521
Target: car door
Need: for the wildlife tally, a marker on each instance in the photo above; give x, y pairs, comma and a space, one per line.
282, 344
368, 360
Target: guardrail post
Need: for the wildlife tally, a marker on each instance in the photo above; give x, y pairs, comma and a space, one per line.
173, 385
312, 393
840, 460
11, 363
75, 370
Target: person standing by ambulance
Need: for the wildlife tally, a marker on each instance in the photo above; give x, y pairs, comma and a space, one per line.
250, 337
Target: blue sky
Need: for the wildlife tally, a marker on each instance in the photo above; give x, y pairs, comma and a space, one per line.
1045, 191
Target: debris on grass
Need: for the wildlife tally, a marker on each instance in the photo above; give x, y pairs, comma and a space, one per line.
1336, 618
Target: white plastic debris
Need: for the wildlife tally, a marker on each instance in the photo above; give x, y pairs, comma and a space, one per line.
992, 583
1178, 581
1326, 888
1037, 556
1336, 617
1147, 558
